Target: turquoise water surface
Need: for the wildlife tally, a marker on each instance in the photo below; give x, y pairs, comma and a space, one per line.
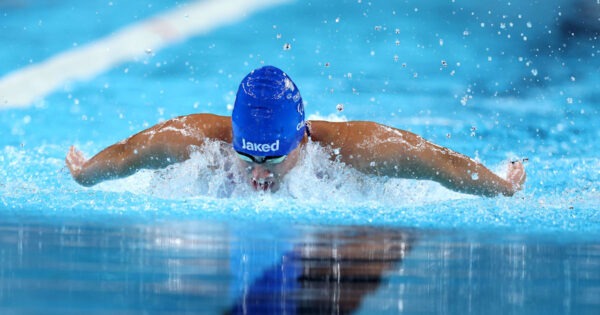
496, 81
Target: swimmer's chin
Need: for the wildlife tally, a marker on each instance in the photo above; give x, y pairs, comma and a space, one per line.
264, 185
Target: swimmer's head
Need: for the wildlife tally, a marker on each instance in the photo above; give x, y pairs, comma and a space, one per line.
268, 114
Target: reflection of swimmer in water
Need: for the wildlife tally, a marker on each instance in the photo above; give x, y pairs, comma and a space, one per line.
330, 274
268, 132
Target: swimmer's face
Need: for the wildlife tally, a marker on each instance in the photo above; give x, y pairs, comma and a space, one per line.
268, 176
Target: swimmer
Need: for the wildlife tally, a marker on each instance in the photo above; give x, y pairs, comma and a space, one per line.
268, 132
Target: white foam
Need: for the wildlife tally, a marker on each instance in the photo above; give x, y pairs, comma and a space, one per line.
213, 172
27, 85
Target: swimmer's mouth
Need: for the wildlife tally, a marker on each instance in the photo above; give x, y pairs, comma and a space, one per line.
262, 184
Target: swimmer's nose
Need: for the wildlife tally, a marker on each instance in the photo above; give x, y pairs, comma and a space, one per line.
262, 179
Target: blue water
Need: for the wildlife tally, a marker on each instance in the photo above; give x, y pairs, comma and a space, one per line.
495, 81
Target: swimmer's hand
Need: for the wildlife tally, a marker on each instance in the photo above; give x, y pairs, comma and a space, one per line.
75, 161
516, 175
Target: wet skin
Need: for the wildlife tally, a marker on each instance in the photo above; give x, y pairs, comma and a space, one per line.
368, 147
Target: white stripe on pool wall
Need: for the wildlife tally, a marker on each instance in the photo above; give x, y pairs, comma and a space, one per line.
23, 87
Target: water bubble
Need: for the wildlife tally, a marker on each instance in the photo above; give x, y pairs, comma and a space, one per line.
287, 46
572, 77
135, 151
534, 72
339, 107
441, 42
528, 24
464, 100
337, 20
569, 100
474, 176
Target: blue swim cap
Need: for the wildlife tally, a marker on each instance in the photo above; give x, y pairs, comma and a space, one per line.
268, 114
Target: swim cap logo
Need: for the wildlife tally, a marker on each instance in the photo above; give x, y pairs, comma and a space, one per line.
260, 147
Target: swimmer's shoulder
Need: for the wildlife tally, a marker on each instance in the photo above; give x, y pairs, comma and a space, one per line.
329, 132
321, 129
210, 125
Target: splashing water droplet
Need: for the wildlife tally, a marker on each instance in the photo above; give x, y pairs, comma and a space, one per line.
287, 46
475, 176
339, 107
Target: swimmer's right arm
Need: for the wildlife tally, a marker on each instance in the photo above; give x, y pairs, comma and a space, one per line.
156, 147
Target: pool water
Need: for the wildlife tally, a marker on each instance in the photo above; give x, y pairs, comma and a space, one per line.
496, 81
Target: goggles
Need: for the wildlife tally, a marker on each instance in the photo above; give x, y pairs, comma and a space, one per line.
260, 159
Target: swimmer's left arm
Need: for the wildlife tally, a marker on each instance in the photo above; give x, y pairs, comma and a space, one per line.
381, 150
